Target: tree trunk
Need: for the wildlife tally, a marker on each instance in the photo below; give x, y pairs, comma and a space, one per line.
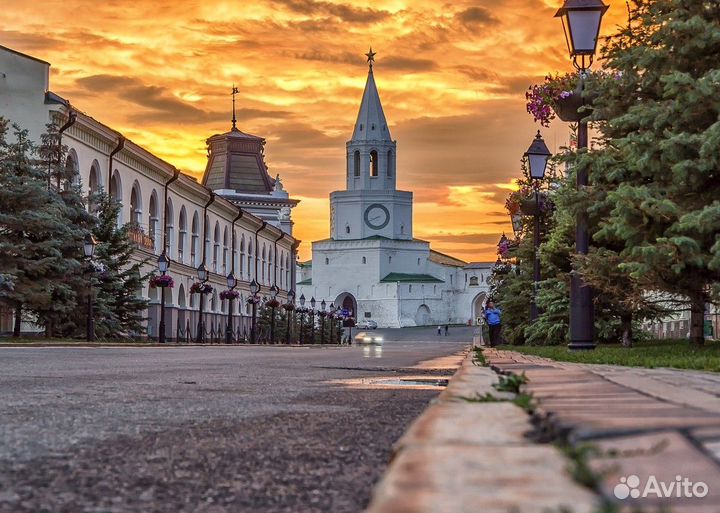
18, 321
697, 320
627, 331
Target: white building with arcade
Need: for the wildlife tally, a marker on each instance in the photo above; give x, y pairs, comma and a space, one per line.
238, 218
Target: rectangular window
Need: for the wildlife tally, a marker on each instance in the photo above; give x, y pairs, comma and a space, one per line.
368, 315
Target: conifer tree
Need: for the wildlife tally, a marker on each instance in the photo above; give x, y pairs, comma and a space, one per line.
659, 165
33, 230
119, 306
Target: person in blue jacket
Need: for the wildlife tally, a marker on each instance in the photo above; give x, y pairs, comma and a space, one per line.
492, 317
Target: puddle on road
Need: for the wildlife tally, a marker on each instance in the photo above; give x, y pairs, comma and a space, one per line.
404, 382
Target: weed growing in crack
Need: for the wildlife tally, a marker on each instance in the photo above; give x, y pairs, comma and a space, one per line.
511, 383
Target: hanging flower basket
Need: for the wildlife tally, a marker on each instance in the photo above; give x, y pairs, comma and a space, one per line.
162, 281
288, 307
562, 96
200, 288
273, 303
323, 313
253, 300
229, 294
502, 268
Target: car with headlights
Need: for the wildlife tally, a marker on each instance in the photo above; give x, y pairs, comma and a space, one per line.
368, 338
366, 324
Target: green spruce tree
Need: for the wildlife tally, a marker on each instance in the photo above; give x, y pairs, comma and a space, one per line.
119, 278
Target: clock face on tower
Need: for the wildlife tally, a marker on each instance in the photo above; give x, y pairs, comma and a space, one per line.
377, 216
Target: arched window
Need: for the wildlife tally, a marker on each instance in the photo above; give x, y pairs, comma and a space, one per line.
153, 220
262, 265
136, 205
270, 269
182, 235
389, 163
94, 184
241, 268
216, 247
116, 194
347, 229
373, 163
225, 252
409, 288
474, 281
364, 260
72, 171
169, 227
194, 241
249, 260
418, 261
356, 165
327, 261
206, 248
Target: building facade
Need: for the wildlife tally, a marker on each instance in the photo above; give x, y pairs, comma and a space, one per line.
371, 264
230, 226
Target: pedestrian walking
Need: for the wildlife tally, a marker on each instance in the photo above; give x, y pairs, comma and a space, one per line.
492, 317
446, 329
439, 330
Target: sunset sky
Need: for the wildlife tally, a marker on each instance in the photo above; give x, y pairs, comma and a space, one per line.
451, 75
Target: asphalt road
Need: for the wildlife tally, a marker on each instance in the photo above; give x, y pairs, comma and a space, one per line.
205, 429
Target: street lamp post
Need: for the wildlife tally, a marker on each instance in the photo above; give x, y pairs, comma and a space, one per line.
231, 283
290, 302
581, 21
89, 249
203, 275
322, 321
273, 294
333, 322
254, 289
163, 266
302, 317
312, 320
537, 156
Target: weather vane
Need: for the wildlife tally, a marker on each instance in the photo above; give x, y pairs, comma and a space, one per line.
371, 57
234, 92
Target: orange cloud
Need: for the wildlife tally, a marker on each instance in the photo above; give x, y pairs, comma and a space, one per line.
451, 76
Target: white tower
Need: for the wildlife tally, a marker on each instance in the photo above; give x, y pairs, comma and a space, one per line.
371, 206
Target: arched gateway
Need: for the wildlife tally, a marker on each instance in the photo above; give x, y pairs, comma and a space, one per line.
348, 302
477, 307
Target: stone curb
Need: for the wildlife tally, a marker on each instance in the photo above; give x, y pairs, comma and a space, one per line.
465, 456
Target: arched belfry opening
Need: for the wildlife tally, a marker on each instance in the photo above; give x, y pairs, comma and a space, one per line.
373, 163
356, 164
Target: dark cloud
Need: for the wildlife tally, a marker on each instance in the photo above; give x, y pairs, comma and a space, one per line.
27, 42
321, 56
468, 238
344, 12
163, 107
483, 146
476, 16
477, 74
408, 64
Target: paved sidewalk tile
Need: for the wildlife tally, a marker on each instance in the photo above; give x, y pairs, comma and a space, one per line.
661, 422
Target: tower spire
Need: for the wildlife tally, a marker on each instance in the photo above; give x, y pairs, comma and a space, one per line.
371, 58
371, 123
234, 92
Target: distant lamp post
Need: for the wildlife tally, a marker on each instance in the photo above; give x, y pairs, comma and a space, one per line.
333, 322
163, 266
322, 321
312, 320
273, 301
537, 156
581, 21
203, 275
302, 316
254, 289
229, 330
289, 309
89, 249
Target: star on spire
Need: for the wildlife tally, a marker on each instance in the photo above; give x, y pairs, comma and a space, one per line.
371, 57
